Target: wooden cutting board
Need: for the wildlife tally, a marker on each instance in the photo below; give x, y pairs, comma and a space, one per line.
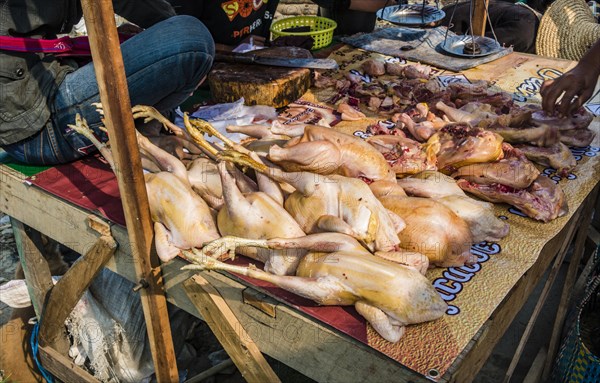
261, 84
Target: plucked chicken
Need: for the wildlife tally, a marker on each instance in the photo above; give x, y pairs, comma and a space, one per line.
333, 203
182, 219
479, 215
326, 151
460, 144
339, 271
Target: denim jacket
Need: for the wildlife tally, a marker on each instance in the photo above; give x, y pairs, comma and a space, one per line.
29, 81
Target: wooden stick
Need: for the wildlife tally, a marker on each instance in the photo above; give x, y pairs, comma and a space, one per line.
35, 267
535, 371
479, 17
540, 303
68, 290
229, 331
64, 368
214, 370
567, 291
114, 95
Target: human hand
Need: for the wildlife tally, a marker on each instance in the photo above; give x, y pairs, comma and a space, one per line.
576, 87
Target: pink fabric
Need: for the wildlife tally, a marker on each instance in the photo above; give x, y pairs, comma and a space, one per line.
64, 46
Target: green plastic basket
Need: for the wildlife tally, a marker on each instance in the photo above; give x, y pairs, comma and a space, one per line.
321, 29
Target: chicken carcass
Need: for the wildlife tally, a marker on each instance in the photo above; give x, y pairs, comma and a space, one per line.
206, 181
514, 170
479, 215
557, 156
539, 135
339, 271
472, 113
404, 155
326, 151
431, 229
543, 200
577, 137
580, 119
182, 220
259, 215
459, 144
333, 203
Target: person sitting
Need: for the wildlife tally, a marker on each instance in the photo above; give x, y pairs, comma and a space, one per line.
232, 21
40, 93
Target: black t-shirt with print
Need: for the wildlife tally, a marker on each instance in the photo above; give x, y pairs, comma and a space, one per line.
230, 21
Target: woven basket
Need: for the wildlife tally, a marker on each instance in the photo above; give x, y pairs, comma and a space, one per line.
575, 362
567, 30
321, 29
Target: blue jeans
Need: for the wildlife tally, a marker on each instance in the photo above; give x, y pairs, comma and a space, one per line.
164, 64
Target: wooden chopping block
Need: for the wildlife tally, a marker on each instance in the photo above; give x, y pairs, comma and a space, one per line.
261, 84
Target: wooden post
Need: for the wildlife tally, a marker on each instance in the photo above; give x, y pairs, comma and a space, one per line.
567, 292
70, 288
229, 331
479, 16
35, 267
114, 95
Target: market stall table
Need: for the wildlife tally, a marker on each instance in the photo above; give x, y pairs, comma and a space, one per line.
451, 349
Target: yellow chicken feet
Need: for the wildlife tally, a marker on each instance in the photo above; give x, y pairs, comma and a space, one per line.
221, 247
242, 159
197, 128
149, 113
82, 128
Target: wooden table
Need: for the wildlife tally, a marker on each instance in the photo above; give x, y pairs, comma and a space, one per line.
280, 331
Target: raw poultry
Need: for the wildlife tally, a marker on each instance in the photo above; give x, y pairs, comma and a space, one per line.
339, 271
182, 219
480, 217
333, 203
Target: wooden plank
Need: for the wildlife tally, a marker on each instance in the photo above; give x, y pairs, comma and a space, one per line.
558, 261
479, 17
535, 371
63, 368
35, 266
568, 284
69, 289
259, 300
231, 334
468, 365
306, 345
60, 220
211, 371
112, 84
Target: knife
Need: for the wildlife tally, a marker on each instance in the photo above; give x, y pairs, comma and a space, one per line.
290, 62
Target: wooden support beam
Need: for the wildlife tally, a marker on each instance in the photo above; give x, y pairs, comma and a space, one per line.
479, 16
492, 331
536, 311
229, 331
64, 368
69, 289
567, 290
114, 95
35, 267
535, 371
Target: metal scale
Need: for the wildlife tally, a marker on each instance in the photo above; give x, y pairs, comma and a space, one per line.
425, 15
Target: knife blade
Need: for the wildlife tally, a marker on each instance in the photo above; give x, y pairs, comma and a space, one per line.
290, 62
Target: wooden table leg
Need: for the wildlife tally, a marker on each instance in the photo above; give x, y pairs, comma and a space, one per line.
567, 291
229, 331
35, 266
70, 288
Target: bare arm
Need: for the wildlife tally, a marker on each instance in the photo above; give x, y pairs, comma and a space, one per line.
576, 86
